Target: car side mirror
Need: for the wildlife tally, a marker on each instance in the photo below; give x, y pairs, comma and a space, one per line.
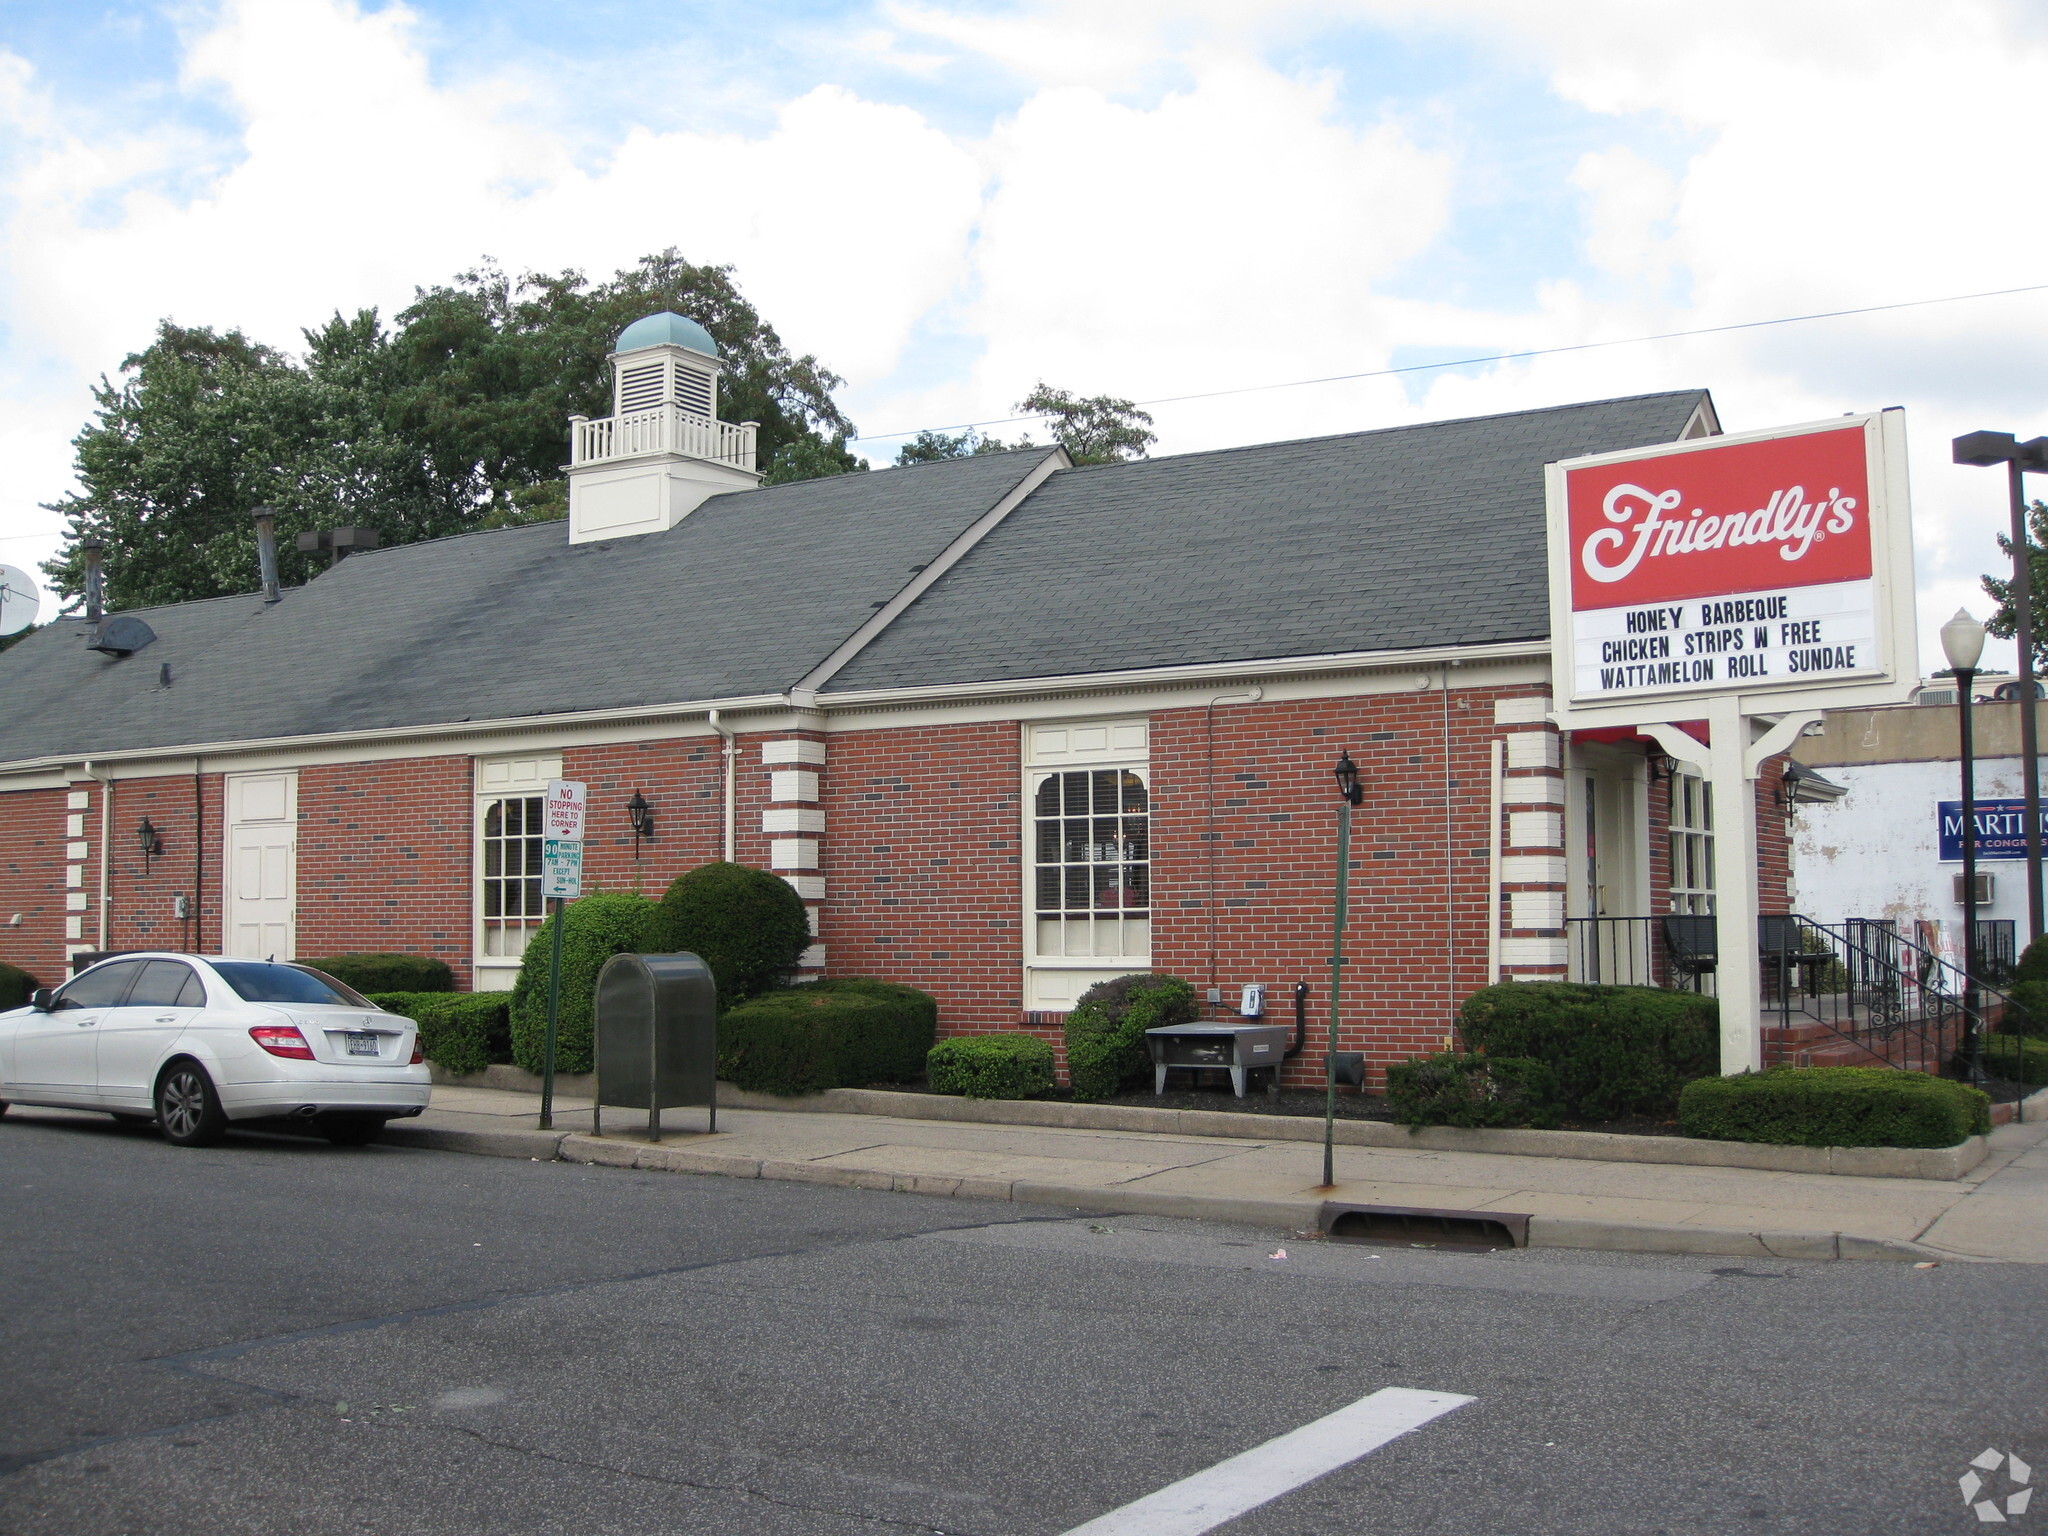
40, 999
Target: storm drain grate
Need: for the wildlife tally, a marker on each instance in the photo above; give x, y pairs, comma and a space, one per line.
1473, 1231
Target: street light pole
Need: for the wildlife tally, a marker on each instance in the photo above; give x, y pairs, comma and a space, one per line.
1962, 641
1350, 793
1984, 449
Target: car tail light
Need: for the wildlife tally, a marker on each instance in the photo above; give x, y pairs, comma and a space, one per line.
419, 1053
282, 1040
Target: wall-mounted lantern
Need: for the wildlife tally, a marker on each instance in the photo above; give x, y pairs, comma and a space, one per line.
152, 842
641, 814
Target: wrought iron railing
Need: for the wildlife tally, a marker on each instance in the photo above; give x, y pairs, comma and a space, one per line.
1862, 985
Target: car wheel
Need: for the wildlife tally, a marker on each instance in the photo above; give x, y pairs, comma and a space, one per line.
187, 1108
351, 1130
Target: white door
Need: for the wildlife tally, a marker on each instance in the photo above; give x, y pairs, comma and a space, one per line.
262, 865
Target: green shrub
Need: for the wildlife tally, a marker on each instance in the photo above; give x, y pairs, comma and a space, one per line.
827, 1034
1834, 1107
593, 930
1105, 1031
2030, 1002
459, 1031
2033, 962
1616, 1050
746, 924
1450, 1088
1010, 1065
15, 986
388, 973
2017, 1059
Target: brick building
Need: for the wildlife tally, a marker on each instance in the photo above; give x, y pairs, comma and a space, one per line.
1009, 726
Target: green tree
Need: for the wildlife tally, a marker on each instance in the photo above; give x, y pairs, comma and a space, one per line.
452, 418
1100, 429
2003, 622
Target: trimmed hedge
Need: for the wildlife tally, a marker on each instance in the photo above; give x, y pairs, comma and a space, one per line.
1451, 1088
1834, 1107
459, 1031
2030, 998
594, 929
1616, 1051
1009, 1065
746, 924
1105, 1031
827, 1034
2033, 962
15, 986
2017, 1059
370, 974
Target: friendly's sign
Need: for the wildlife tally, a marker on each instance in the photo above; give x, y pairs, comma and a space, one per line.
1764, 562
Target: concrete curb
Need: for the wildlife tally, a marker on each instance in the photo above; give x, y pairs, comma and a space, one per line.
1942, 1163
1298, 1214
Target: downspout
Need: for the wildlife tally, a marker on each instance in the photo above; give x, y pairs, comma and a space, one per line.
731, 758
106, 853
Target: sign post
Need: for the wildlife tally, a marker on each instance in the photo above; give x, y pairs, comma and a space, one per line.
1746, 583
561, 880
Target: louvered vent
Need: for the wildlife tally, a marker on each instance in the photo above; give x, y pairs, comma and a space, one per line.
640, 388
693, 391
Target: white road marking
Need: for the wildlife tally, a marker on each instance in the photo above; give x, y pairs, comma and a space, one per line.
1231, 1488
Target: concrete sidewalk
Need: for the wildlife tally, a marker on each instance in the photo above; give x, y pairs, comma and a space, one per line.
1998, 1211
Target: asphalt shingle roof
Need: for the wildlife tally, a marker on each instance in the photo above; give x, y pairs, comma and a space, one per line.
1410, 536
744, 596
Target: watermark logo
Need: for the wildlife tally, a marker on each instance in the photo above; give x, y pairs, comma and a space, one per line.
1980, 1482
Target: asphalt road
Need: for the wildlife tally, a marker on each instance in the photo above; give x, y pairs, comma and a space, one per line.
277, 1336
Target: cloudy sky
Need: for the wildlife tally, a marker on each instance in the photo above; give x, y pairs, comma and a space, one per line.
948, 201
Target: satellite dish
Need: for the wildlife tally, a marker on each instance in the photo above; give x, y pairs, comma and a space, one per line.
19, 600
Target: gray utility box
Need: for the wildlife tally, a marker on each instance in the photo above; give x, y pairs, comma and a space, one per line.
1235, 1048
657, 1036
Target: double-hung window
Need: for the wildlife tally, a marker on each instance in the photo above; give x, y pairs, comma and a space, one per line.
507, 871
1692, 844
1088, 879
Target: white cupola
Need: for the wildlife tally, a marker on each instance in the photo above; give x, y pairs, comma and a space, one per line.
663, 451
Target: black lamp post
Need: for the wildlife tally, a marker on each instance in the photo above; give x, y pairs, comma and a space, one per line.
641, 814
1984, 449
1349, 794
1962, 641
152, 842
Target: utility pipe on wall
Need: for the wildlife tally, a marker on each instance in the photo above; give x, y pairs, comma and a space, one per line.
731, 758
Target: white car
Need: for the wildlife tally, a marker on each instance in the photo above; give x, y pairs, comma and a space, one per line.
194, 1042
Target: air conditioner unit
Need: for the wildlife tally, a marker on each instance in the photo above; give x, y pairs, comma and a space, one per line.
1985, 884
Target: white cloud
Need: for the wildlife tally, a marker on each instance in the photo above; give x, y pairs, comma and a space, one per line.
1159, 208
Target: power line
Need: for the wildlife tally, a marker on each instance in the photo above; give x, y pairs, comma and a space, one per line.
1498, 357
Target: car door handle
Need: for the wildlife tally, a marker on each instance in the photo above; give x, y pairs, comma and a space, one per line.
167, 1018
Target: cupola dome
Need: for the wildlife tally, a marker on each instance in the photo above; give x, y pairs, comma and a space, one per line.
667, 329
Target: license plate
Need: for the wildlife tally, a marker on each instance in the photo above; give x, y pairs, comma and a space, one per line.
361, 1045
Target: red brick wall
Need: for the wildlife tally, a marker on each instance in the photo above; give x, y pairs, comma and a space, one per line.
684, 786
143, 892
385, 861
922, 883
32, 882
1416, 939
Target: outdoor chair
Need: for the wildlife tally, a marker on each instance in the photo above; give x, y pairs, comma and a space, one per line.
1693, 944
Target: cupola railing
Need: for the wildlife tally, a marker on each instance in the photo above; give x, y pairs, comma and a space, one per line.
661, 429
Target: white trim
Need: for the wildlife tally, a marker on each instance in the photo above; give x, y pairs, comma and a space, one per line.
1142, 691
943, 562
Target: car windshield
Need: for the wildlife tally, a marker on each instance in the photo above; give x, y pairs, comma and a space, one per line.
262, 981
